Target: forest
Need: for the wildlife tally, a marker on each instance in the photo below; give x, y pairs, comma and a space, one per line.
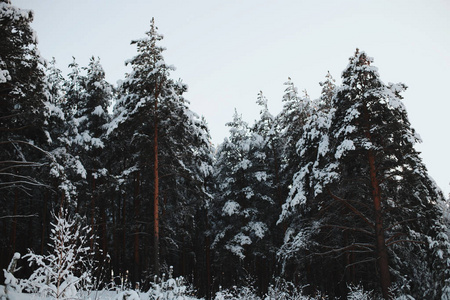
123, 181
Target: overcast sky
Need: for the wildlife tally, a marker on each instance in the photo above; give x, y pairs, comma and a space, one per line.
227, 51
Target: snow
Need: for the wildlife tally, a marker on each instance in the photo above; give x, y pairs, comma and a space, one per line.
323, 146
248, 192
4, 76
98, 111
127, 295
242, 239
352, 113
245, 163
205, 168
258, 228
178, 294
293, 242
99, 173
12, 12
120, 118
80, 168
86, 140
261, 176
53, 110
236, 244
230, 208
345, 146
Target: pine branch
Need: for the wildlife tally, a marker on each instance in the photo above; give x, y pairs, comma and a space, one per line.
352, 208
404, 241
349, 248
18, 216
398, 223
349, 228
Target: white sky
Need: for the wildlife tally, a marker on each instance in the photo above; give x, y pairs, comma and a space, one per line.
227, 51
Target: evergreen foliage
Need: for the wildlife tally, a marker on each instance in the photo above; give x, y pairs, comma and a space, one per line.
365, 197
328, 197
24, 156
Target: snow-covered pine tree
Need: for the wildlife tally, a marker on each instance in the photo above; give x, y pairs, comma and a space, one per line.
243, 206
267, 154
371, 116
327, 94
55, 82
73, 89
66, 169
87, 143
138, 110
265, 157
290, 121
92, 108
164, 149
231, 206
376, 213
23, 151
300, 209
312, 144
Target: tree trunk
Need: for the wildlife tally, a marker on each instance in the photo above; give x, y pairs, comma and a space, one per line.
156, 195
382, 255
383, 262
14, 222
208, 258
124, 259
104, 231
92, 213
137, 207
44, 223
115, 256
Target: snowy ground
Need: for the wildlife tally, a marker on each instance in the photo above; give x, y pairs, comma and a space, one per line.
97, 295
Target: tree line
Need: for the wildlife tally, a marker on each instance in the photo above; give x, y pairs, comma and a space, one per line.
328, 193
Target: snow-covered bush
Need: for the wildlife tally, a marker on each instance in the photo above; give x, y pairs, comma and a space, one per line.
128, 295
285, 290
280, 290
235, 293
12, 284
171, 289
357, 292
66, 268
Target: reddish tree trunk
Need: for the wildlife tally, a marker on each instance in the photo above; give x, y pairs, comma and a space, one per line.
104, 230
137, 207
383, 262
124, 234
156, 194
44, 223
382, 254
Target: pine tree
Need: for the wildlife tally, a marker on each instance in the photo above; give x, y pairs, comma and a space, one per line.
23, 141
67, 170
373, 200
165, 147
299, 210
328, 91
265, 156
290, 121
312, 144
87, 141
244, 205
232, 202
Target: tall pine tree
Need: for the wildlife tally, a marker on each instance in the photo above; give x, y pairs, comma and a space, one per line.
165, 157
23, 140
374, 204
